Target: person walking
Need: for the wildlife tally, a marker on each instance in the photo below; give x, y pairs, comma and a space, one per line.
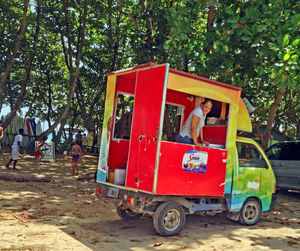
15, 149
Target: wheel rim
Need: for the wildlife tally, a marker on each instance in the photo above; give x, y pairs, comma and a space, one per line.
172, 219
251, 212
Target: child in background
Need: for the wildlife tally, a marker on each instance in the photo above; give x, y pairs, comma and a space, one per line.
76, 155
38, 152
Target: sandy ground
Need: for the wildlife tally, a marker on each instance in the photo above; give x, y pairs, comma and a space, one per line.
66, 215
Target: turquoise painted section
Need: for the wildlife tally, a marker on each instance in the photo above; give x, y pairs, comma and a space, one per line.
235, 203
101, 175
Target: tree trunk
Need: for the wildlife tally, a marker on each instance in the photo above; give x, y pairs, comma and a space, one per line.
14, 53
271, 118
298, 129
73, 76
81, 103
28, 66
210, 22
16, 176
211, 16
186, 63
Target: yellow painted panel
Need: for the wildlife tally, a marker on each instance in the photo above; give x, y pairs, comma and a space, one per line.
201, 88
244, 122
107, 121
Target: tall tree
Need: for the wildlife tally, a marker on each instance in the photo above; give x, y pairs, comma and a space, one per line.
15, 49
28, 66
69, 54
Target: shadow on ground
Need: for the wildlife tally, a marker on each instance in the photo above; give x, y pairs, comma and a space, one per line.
66, 215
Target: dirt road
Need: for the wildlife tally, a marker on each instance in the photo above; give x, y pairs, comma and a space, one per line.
66, 215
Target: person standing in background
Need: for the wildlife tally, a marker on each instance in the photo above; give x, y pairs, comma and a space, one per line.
76, 156
79, 138
84, 142
90, 141
15, 149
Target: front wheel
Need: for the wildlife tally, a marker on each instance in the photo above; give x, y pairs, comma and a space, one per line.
250, 212
169, 218
127, 214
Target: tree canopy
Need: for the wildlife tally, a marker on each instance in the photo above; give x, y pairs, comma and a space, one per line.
55, 53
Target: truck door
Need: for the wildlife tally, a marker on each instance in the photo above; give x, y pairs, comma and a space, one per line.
145, 127
253, 177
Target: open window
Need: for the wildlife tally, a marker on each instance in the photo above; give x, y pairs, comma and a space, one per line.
123, 115
173, 120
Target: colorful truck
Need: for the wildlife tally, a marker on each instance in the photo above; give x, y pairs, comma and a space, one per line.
144, 171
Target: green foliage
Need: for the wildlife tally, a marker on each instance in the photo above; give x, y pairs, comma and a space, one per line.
251, 44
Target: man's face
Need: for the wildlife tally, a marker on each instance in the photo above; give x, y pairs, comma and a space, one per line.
206, 108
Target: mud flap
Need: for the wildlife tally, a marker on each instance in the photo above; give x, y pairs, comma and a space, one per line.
233, 215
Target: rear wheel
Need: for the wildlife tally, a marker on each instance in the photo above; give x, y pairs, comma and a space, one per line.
127, 214
250, 212
169, 218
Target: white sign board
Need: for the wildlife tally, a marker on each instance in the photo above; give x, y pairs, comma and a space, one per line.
49, 150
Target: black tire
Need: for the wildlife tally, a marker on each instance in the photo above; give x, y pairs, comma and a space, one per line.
169, 218
250, 212
127, 214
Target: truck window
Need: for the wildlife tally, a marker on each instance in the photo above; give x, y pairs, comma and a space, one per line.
290, 151
284, 151
273, 152
123, 117
173, 120
249, 156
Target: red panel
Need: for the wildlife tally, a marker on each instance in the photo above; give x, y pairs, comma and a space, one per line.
181, 99
118, 154
174, 180
126, 85
145, 124
215, 134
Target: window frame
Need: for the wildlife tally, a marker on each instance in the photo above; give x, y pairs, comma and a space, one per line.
182, 115
115, 113
248, 164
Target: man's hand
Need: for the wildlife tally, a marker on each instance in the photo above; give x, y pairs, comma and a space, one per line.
199, 145
205, 142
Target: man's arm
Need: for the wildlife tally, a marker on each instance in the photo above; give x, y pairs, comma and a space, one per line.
1, 132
